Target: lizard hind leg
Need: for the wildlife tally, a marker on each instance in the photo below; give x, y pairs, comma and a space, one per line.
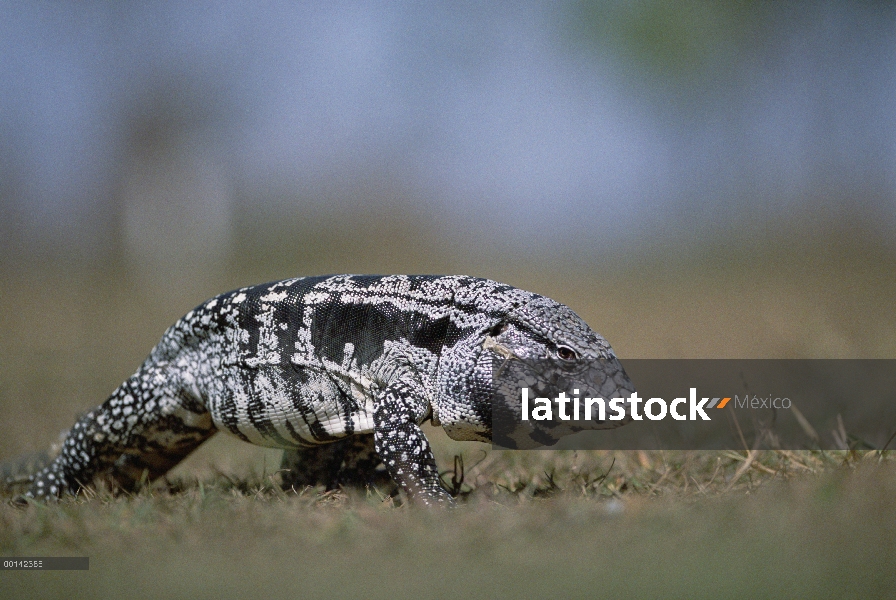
349, 462
157, 453
147, 426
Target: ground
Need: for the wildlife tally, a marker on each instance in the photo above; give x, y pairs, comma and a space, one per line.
534, 524
530, 524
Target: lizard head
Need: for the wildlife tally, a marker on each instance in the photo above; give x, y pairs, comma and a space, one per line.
544, 329
543, 345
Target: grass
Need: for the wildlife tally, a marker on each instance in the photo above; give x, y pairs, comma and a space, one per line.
531, 524
537, 523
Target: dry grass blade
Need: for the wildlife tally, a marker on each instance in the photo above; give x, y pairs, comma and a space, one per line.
457, 476
748, 461
804, 424
659, 481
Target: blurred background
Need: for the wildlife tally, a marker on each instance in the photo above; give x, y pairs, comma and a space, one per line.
696, 179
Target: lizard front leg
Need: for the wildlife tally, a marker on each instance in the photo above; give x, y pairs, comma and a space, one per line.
402, 446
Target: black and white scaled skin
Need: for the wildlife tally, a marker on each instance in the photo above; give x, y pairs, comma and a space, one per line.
307, 362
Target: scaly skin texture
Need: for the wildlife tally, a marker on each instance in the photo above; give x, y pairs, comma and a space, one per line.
299, 363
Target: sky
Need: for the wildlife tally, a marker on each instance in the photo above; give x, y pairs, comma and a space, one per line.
578, 123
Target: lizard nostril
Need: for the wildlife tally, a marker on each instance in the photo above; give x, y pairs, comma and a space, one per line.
497, 329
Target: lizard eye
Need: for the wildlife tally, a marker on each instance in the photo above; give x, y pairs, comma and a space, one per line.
566, 353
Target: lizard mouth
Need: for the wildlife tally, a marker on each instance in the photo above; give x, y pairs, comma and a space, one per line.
540, 401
